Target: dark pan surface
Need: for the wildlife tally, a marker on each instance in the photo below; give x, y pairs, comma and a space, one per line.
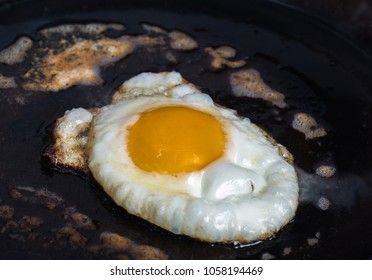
320, 72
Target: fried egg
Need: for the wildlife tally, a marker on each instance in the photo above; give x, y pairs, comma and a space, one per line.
190, 166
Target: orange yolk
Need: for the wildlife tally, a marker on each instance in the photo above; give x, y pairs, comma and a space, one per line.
175, 139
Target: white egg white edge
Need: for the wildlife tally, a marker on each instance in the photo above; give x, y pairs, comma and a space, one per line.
244, 217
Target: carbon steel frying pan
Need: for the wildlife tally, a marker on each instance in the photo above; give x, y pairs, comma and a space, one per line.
320, 70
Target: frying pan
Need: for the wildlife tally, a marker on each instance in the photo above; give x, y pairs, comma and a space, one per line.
321, 70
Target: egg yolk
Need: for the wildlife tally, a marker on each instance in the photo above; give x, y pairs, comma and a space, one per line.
175, 140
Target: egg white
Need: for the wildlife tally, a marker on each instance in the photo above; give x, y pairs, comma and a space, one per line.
246, 195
